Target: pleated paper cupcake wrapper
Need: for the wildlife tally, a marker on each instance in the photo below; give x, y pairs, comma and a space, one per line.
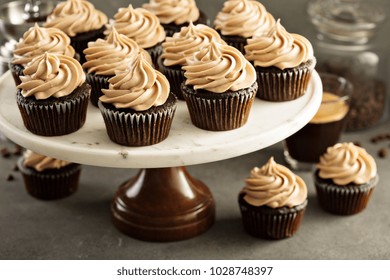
56, 119
174, 76
344, 200
271, 224
132, 129
219, 114
52, 186
97, 83
235, 41
16, 71
283, 86
155, 52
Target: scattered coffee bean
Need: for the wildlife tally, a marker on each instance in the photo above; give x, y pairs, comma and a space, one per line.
18, 150
16, 168
10, 177
382, 153
5, 153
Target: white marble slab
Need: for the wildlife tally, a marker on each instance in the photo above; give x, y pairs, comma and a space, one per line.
268, 123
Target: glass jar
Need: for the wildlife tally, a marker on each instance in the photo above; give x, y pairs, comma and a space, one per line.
346, 45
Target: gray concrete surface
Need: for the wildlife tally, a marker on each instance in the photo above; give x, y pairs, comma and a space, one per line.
79, 227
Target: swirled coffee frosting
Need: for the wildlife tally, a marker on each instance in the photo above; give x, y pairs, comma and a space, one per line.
75, 17
140, 25
346, 163
40, 162
278, 48
274, 185
115, 53
219, 68
138, 88
38, 40
184, 44
243, 18
51, 75
176, 11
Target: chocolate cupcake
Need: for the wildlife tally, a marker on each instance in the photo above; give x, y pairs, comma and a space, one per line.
143, 27
138, 108
181, 47
241, 19
48, 178
35, 42
284, 63
345, 179
273, 201
220, 88
105, 56
53, 96
80, 21
176, 14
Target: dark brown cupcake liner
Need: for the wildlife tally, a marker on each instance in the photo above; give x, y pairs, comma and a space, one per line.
134, 128
97, 83
56, 116
343, 200
219, 111
175, 76
171, 28
16, 71
283, 85
51, 184
271, 223
235, 41
80, 41
155, 52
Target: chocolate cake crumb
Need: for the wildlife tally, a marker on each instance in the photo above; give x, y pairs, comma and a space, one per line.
10, 177
382, 153
5, 153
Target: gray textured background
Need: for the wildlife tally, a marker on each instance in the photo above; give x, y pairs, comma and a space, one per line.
79, 227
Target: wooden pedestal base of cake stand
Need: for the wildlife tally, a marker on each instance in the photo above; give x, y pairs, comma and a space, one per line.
163, 204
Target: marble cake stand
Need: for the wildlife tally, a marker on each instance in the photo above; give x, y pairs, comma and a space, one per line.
163, 202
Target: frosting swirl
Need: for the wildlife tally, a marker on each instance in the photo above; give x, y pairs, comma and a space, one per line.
177, 11
184, 44
51, 75
140, 25
278, 48
274, 185
347, 163
116, 52
243, 18
138, 88
76, 16
40, 162
218, 68
38, 40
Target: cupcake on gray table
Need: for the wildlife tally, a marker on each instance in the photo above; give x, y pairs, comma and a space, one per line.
48, 178
273, 201
345, 179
